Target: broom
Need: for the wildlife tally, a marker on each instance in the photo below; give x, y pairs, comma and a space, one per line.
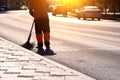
27, 44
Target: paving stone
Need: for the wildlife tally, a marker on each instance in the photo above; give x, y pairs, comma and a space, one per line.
22, 53
13, 71
1, 72
24, 58
40, 67
29, 67
59, 71
49, 78
73, 78
9, 52
26, 73
32, 65
56, 71
47, 63
8, 76
32, 58
15, 78
10, 65
2, 50
3, 69
43, 69
41, 74
4, 55
2, 59
20, 64
13, 57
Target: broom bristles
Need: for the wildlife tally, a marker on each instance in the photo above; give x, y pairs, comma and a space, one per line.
28, 45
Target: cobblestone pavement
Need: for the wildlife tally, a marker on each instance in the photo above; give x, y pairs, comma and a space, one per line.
17, 63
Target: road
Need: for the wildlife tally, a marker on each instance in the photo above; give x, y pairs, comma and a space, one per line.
91, 47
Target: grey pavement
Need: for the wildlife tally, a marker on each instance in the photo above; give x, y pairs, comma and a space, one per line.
17, 63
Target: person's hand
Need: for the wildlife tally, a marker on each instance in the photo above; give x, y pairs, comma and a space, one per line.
31, 13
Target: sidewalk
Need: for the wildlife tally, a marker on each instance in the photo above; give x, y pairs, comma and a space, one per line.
17, 63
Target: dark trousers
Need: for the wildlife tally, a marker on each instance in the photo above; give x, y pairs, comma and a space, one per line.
42, 30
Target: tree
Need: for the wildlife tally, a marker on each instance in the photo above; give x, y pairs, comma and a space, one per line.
3, 2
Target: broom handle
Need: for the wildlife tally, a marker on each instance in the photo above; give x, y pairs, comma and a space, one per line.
31, 31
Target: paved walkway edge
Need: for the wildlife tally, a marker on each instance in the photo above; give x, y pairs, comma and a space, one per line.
83, 76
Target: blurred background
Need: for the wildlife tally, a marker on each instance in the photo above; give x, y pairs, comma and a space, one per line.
107, 7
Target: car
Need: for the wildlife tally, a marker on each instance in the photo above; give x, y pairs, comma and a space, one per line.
59, 9
89, 12
3, 8
50, 8
24, 7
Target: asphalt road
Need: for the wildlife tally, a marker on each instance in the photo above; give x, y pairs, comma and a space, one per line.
91, 47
